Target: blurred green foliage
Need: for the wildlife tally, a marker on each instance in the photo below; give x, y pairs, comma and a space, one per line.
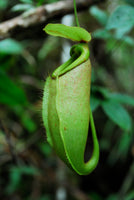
28, 167
16, 176
3, 4
10, 46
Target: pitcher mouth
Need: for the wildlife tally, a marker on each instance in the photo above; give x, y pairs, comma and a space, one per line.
79, 53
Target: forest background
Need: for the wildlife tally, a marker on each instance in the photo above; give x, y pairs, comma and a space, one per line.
29, 169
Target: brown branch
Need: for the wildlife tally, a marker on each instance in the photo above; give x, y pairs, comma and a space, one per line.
42, 14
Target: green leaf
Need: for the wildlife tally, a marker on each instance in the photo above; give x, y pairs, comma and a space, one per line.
122, 17
73, 33
102, 34
99, 14
124, 144
25, 116
94, 103
27, 122
16, 175
3, 4
10, 94
130, 196
95, 196
128, 40
26, 1
15, 178
100, 92
28, 170
40, 2
131, 2
113, 197
121, 98
120, 32
45, 148
22, 7
10, 46
117, 114
113, 97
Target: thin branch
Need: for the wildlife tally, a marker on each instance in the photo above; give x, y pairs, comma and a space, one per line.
42, 14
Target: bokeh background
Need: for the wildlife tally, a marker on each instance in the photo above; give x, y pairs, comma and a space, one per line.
29, 168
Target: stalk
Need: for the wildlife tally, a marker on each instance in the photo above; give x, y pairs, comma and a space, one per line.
75, 13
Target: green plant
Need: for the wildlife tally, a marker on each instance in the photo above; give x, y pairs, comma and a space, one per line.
66, 108
121, 23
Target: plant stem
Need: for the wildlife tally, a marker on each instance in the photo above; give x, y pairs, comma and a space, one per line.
75, 13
